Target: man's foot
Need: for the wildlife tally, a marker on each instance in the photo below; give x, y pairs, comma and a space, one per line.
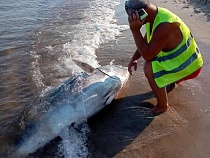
159, 110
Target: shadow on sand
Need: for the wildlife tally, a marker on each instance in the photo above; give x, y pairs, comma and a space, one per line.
119, 124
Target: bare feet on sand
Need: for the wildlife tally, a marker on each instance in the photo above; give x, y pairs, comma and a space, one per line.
159, 109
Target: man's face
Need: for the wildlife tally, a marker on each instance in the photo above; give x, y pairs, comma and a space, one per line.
130, 10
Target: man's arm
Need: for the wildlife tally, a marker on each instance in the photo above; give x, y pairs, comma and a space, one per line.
137, 55
158, 42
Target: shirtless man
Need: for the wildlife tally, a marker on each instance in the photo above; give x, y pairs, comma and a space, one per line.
170, 52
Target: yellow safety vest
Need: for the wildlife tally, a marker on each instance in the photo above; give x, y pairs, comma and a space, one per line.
169, 67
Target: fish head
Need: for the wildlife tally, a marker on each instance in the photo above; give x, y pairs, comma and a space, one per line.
117, 72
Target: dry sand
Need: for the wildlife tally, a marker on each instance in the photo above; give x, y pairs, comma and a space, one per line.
124, 129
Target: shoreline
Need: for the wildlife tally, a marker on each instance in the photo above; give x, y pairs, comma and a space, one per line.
182, 131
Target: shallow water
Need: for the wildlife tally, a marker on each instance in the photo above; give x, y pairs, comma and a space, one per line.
29, 29
38, 42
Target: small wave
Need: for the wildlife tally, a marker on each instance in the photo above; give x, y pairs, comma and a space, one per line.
74, 141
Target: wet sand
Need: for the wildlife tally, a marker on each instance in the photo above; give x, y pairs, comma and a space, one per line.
125, 129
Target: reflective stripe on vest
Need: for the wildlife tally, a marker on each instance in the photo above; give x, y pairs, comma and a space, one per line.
193, 57
176, 53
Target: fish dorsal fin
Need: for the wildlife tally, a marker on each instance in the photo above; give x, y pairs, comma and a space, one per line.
86, 67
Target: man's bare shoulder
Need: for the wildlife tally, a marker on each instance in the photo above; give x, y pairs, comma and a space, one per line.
163, 38
169, 34
166, 28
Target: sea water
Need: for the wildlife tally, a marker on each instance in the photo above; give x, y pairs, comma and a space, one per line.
39, 39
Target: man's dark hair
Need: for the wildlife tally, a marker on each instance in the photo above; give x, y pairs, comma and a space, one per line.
137, 4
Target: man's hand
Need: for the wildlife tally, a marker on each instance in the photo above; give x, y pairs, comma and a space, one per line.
132, 64
134, 22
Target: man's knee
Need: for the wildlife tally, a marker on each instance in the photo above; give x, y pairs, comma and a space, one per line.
148, 69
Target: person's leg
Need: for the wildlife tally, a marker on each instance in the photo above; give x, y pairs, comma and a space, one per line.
160, 93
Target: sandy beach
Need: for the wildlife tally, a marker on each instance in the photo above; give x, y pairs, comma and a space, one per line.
124, 129
39, 42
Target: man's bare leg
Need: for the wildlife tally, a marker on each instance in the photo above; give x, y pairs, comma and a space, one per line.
160, 93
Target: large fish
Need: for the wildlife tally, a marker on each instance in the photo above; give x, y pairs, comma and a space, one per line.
75, 100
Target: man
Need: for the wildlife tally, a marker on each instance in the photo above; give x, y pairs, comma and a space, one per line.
170, 52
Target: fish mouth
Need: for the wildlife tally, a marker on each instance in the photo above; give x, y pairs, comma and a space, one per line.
116, 72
